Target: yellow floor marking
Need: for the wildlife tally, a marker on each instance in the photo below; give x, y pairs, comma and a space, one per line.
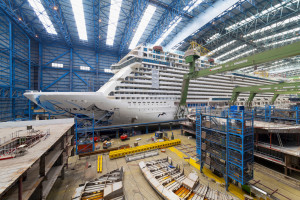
232, 188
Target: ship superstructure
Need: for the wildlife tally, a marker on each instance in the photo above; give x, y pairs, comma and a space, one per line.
146, 87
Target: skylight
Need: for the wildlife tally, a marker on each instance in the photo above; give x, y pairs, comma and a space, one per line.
42, 15
231, 51
167, 31
249, 19
142, 26
77, 7
193, 4
114, 13
221, 47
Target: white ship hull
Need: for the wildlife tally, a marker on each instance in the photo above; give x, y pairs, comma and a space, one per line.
95, 104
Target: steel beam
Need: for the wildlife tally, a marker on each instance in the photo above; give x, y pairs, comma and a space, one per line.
40, 74
71, 69
81, 78
61, 77
29, 77
55, 10
9, 10
96, 17
137, 9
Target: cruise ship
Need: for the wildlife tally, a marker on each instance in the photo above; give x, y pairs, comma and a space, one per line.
146, 87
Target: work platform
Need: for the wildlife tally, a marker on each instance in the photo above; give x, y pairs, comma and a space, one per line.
32, 175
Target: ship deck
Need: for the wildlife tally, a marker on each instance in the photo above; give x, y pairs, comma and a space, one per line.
12, 169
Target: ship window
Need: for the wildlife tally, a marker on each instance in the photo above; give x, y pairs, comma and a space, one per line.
145, 49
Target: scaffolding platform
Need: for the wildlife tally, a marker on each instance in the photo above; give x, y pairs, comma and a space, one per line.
224, 140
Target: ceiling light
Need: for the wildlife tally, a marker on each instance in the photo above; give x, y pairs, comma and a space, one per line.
77, 8
55, 8
114, 13
142, 25
42, 15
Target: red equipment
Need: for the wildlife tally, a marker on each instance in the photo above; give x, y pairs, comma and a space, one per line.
158, 48
124, 137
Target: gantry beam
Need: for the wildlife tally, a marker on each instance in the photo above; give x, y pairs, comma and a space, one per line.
277, 89
256, 59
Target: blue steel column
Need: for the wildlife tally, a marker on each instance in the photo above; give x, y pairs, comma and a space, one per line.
200, 135
297, 115
71, 69
97, 71
243, 145
227, 151
29, 77
40, 74
11, 71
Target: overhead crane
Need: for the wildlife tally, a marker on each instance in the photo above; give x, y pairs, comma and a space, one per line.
276, 89
193, 53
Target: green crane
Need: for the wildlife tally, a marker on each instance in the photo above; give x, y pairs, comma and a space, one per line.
256, 59
277, 89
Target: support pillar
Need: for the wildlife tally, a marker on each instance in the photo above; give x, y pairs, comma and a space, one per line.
159, 127
20, 184
287, 162
40, 73
256, 138
29, 78
181, 128
62, 142
146, 129
117, 134
270, 140
42, 166
71, 70
62, 173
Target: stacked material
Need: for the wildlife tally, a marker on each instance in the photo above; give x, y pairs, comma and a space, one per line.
108, 186
158, 145
171, 183
142, 155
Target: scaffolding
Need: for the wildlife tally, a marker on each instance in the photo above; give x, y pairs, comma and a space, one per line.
270, 113
225, 142
85, 134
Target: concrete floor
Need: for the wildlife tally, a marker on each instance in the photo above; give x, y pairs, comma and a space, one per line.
135, 185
